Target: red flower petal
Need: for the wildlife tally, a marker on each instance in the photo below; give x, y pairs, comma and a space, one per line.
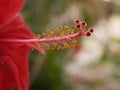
9, 9
5, 79
16, 65
14, 56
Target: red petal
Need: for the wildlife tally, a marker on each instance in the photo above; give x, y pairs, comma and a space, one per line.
6, 78
16, 65
17, 29
15, 56
9, 9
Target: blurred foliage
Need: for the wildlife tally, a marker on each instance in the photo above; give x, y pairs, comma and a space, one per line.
50, 77
38, 13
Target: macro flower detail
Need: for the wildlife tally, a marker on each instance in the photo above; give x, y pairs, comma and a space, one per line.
16, 40
62, 37
59, 38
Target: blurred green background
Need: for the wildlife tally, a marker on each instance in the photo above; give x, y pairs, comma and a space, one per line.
96, 65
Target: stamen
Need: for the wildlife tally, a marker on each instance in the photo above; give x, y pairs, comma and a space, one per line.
60, 38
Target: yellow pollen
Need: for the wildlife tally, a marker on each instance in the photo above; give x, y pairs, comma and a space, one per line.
66, 27
60, 33
43, 34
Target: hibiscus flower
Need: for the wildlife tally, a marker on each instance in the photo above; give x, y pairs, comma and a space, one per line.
16, 40
13, 56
